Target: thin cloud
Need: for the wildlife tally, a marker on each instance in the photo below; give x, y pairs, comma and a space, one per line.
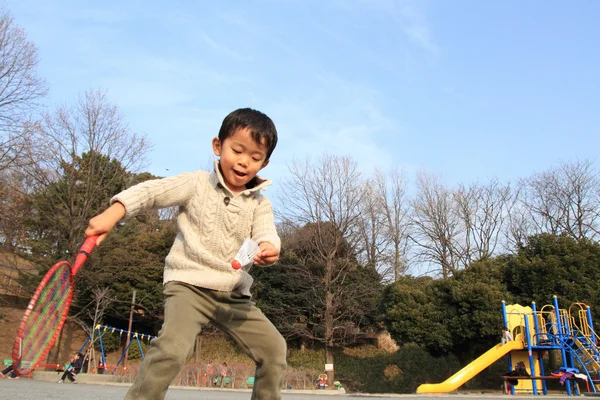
407, 15
416, 28
221, 48
352, 128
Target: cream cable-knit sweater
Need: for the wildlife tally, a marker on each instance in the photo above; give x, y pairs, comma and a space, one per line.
212, 225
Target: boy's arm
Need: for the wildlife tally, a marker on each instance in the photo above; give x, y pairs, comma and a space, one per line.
104, 223
156, 193
265, 234
159, 193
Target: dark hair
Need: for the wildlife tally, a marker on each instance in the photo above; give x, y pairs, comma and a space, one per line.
260, 125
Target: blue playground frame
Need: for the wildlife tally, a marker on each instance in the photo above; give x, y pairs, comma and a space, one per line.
101, 329
570, 331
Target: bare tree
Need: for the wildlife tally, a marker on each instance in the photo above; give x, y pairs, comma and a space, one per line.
518, 225
384, 224
327, 197
391, 190
371, 224
90, 148
482, 210
580, 194
465, 206
565, 199
20, 88
435, 225
14, 205
92, 124
92, 315
543, 210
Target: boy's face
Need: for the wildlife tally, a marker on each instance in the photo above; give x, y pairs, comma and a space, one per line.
241, 158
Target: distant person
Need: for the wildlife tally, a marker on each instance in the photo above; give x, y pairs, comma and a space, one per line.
74, 368
86, 363
506, 335
210, 373
520, 370
102, 366
9, 373
223, 373
322, 382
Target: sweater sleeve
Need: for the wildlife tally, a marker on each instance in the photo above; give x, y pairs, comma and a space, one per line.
158, 193
263, 225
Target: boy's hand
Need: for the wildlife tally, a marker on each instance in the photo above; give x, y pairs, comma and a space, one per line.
103, 224
267, 254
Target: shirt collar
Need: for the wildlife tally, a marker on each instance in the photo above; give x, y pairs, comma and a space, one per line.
217, 180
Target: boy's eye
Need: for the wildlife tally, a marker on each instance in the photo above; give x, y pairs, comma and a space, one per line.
236, 151
256, 159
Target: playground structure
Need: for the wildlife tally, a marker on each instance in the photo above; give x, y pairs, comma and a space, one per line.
536, 332
103, 329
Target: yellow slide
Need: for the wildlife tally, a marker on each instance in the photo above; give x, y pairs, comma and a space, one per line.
475, 367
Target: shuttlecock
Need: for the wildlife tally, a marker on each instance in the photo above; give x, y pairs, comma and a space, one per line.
245, 256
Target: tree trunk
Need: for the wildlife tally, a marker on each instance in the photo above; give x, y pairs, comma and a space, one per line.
329, 327
55, 350
329, 360
198, 348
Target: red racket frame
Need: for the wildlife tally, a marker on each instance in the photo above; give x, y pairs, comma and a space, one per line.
82, 256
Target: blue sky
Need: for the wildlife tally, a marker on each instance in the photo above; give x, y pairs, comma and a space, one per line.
467, 89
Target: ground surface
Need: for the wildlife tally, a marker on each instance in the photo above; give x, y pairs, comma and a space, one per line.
25, 389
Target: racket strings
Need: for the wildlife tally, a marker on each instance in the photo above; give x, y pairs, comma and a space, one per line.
46, 314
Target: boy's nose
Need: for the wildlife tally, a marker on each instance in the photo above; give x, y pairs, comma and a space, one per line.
243, 160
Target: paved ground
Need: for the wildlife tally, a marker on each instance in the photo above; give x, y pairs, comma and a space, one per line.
25, 389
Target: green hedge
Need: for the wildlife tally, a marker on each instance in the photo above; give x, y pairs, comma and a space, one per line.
367, 369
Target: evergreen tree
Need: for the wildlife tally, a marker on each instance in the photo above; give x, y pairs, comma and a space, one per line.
556, 265
293, 294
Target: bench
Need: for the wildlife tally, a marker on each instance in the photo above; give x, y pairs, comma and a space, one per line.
543, 378
24, 364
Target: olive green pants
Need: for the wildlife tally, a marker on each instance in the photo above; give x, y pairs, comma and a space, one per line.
187, 310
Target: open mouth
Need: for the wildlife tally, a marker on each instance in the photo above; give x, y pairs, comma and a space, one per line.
240, 174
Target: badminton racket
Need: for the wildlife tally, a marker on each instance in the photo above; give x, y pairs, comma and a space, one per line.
47, 311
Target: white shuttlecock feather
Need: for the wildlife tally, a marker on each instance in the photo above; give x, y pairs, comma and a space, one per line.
245, 256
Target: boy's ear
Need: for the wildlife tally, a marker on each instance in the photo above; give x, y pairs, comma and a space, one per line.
265, 164
216, 145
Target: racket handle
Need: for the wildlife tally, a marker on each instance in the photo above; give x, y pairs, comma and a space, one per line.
84, 251
88, 245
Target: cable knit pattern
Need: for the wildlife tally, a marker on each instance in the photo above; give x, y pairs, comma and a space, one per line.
212, 225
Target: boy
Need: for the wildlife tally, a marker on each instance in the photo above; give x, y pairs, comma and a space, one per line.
74, 368
217, 212
506, 335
